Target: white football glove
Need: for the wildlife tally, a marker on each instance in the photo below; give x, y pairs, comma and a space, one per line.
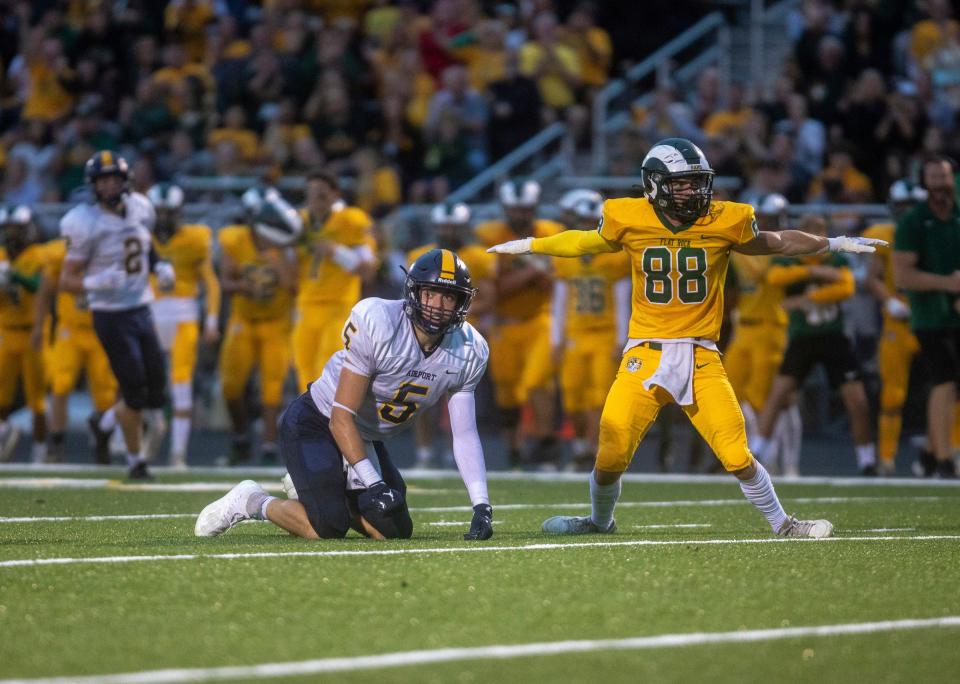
896, 309
165, 275
854, 244
4, 273
513, 247
110, 279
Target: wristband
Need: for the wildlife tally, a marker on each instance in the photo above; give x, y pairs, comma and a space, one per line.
366, 472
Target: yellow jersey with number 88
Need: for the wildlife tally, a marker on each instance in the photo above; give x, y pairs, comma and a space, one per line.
678, 273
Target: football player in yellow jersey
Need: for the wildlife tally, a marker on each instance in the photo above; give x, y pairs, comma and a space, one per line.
591, 312
75, 348
336, 254
679, 243
188, 248
258, 271
898, 345
451, 228
520, 362
21, 262
760, 334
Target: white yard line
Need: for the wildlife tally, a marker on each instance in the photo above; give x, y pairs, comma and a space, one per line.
415, 473
511, 507
678, 525
498, 652
27, 562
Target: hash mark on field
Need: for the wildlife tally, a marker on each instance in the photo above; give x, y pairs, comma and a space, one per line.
445, 523
500, 652
891, 529
456, 549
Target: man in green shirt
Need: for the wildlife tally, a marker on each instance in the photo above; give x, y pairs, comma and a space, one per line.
926, 263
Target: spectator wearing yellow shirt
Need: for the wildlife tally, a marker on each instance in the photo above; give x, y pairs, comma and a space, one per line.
47, 67
235, 130
284, 132
487, 59
175, 73
840, 181
554, 66
188, 19
929, 36
591, 43
731, 120
378, 183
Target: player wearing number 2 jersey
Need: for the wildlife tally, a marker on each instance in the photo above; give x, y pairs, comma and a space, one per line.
109, 259
679, 243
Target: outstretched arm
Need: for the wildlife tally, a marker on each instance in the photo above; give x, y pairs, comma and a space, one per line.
798, 243
570, 243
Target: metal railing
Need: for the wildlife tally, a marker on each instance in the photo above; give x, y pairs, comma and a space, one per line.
657, 63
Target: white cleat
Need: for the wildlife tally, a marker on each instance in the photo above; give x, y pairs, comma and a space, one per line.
9, 437
226, 511
806, 529
178, 462
288, 487
571, 524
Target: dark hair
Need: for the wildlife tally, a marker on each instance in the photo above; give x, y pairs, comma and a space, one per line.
326, 177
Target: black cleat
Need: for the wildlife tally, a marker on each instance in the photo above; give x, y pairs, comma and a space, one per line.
947, 470
926, 465
101, 439
139, 472
869, 471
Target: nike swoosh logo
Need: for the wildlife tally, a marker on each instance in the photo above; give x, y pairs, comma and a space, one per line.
699, 366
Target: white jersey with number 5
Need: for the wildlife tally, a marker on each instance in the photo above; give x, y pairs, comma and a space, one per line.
379, 343
105, 241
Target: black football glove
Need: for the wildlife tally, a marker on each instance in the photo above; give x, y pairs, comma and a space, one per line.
379, 500
481, 527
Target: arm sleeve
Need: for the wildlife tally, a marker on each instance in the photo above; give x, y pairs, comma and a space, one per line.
837, 291
622, 294
558, 319
467, 450
572, 243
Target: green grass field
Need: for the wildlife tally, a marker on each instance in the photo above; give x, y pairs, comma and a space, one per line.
678, 594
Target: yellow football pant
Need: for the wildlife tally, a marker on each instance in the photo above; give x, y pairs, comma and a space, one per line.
264, 344
752, 360
630, 410
18, 359
317, 335
75, 350
520, 360
183, 353
895, 351
588, 370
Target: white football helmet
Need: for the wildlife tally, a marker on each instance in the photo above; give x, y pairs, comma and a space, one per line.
277, 221
166, 196
516, 193
458, 214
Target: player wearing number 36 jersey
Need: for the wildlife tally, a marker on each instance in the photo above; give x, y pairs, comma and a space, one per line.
679, 242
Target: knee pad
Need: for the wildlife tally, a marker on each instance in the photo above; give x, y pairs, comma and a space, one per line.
182, 396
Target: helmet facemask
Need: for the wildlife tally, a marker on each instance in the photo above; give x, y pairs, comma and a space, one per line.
436, 320
684, 195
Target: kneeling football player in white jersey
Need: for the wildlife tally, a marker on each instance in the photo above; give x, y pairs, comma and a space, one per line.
398, 358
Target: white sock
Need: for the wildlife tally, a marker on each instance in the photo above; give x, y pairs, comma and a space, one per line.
180, 435
579, 446
603, 499
263, 507
793, 440
133, 459
424, 454
38, 452
749, 419
759, 491
866, 455
108, 420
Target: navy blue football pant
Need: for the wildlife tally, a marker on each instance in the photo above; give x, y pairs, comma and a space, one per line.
130, 340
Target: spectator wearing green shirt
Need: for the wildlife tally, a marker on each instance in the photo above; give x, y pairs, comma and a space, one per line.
813, 289
926, 264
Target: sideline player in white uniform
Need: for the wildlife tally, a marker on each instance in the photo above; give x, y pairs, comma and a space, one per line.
399, 357
109, 258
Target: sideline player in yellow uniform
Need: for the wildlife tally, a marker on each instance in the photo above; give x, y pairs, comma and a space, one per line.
258, 271
520, 362
451, 227
679, 243
591, 312
188, 248
336, 255
898, 345
75, 348
21, 262
759, 336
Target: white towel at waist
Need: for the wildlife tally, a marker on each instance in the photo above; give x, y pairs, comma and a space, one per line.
675, 371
